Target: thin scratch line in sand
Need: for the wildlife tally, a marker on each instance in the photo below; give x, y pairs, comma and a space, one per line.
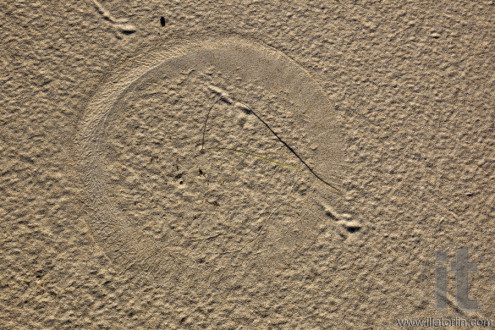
223, 96
206, 122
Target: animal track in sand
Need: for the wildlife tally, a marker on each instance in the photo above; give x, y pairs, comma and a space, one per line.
178, 205
121, 24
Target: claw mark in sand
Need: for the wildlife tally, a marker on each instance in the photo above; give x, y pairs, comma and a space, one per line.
120, 23
343, 219
224, 96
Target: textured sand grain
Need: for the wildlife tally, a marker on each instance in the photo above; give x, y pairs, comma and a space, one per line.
403, 89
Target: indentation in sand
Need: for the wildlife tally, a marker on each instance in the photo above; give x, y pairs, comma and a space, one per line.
171, 197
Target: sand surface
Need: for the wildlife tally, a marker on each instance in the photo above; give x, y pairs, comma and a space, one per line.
244, 164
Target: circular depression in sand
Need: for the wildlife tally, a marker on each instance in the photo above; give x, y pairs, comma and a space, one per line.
186, 198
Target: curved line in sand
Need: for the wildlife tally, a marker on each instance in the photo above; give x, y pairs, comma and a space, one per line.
253, 62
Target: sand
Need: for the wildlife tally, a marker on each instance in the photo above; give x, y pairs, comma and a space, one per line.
247, 164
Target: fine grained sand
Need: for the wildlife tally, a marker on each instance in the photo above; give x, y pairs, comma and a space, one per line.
122, 209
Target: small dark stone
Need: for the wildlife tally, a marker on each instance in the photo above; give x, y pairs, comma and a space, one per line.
353, 229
